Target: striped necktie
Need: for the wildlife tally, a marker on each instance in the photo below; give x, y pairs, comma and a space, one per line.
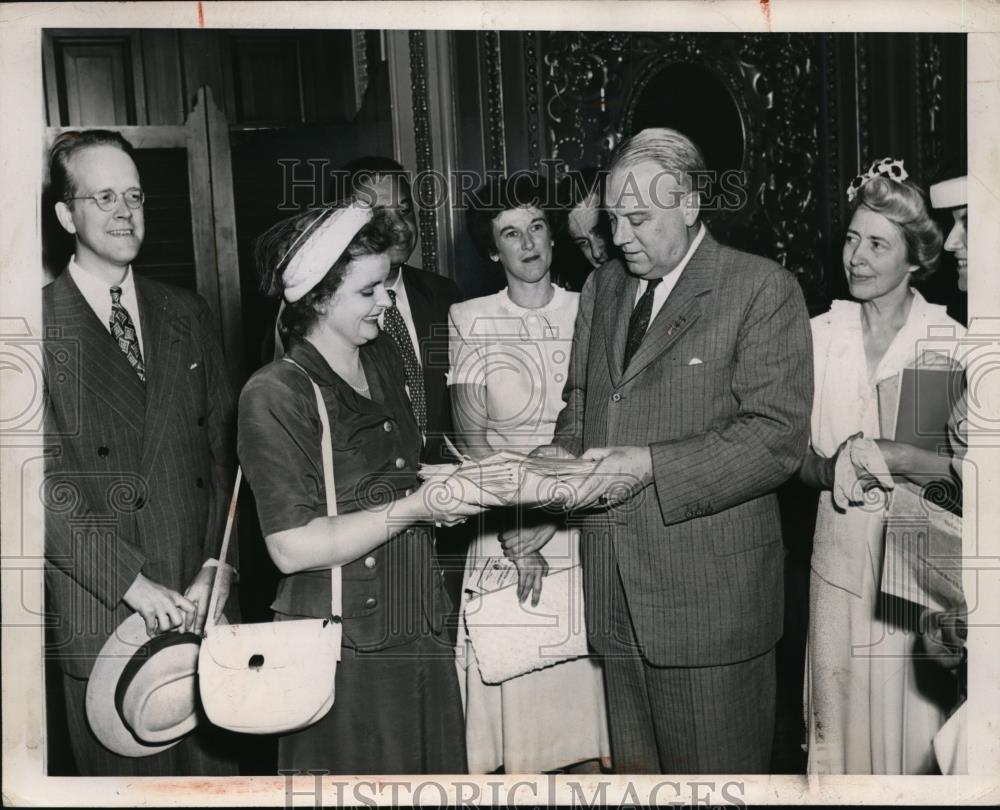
123, 331
394, 324
639, 321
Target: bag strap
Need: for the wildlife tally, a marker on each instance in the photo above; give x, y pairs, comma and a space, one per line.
326, 446
219, 572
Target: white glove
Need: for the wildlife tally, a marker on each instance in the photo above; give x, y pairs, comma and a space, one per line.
859, 466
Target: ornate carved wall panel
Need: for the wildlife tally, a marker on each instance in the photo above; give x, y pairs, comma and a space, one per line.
594, 87
940, 68
785, 204
810, 110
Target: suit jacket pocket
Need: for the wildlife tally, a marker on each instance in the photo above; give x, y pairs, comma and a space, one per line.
693, 359
712, 371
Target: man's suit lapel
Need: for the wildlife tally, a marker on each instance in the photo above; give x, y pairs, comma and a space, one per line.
104, 370
681, 309
161, 333
621, 298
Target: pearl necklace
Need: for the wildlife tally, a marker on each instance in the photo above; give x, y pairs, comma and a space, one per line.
362, 389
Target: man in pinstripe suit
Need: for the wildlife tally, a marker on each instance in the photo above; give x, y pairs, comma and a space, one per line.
690, 384
138, 445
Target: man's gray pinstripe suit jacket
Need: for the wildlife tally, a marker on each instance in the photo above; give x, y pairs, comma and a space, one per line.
721, 392
135, 480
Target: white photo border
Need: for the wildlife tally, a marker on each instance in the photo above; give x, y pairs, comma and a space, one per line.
21, 157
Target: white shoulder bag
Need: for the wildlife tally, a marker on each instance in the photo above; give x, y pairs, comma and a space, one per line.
273, 677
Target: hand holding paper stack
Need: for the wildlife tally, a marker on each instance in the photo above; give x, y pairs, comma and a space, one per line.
514, 477
551, 481
495, 475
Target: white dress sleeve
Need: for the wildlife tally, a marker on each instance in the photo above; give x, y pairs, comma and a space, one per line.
466, 358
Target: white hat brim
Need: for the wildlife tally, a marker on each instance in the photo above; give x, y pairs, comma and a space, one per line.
105, 722
952, 193
323, 247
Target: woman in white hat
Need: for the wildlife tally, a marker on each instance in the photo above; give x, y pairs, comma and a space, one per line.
953, 194
397, 707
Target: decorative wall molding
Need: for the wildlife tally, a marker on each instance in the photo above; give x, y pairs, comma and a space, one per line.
833, 89
442, 116
496, 141
359, 47
862, 99
533, 92
424, 146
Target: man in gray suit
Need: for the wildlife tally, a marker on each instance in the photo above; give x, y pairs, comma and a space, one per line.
140, 451
690, 385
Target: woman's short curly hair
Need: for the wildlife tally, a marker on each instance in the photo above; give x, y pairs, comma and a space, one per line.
499, 194
271, 254
904, 204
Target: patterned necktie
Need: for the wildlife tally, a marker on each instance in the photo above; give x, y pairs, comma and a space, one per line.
394, 324
639, 321
123, 331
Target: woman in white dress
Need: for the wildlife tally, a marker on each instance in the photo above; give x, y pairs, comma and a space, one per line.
874, 702
509, 356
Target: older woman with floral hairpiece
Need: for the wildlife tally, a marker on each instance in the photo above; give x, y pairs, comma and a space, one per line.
873, 703
398, 707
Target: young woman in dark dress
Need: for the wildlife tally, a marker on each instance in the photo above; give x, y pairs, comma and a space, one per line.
397, 707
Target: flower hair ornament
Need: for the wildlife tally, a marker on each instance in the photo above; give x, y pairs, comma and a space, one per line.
889, 168
311, 255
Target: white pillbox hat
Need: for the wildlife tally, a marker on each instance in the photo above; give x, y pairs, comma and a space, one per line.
950, 193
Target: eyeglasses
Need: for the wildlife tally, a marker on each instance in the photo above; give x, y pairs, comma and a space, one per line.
107, 200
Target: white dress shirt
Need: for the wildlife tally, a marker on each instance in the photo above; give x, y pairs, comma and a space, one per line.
666, 286
403, 305
97, 293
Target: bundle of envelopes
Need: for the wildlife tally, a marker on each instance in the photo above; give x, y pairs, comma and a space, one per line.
510, 475
559, 467
496, 475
